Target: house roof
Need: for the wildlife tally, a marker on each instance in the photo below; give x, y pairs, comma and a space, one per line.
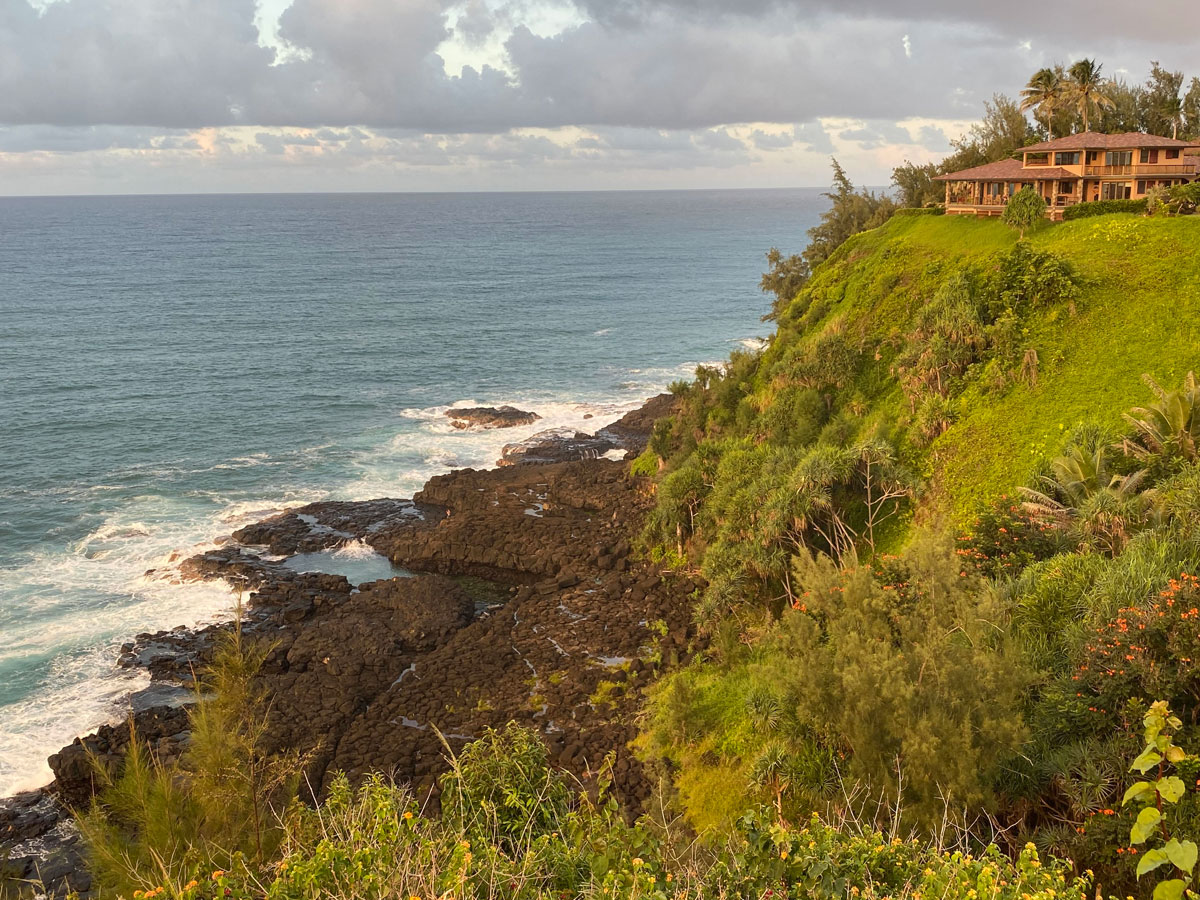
1094, 140
1007, 170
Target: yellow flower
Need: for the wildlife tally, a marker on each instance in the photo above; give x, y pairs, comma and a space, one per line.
669, 878
408, 815
217, 874
637, 861
191, 884
783, 854
138, 895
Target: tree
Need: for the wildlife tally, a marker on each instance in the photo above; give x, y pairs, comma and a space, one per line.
784, 277
1044, 92
1191, 110
1083, 496
911, 673
1172, 111
1170, 428
885, 483
1127, 112
1024, 209
916, 185
1001, 132
1088, 88
849, 213
1161, 107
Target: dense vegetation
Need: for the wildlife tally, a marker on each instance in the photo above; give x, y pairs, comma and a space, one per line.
929, 520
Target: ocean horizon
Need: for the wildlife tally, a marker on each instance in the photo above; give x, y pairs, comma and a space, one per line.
175, 366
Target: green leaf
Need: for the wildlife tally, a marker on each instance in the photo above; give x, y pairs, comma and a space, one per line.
1147, 821
1148, 760
1151, 860
1170, 787
1170, 890
1182, 854
1175, 754
1137, 790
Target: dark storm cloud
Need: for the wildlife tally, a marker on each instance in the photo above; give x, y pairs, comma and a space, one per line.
648, 64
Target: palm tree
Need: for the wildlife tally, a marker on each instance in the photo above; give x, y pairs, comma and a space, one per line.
1169, 428
1101, 509
1172, 111
1088, 88
1044, 91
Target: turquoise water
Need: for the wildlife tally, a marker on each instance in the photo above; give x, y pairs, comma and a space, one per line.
174, 367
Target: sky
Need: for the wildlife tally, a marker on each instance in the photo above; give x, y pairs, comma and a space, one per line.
162, 96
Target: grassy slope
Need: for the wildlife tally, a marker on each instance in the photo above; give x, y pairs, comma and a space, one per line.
1138, 312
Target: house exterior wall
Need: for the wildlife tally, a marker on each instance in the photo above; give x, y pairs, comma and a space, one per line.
1080, 176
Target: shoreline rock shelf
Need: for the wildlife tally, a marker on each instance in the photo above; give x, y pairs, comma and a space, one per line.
525, 605
491, 417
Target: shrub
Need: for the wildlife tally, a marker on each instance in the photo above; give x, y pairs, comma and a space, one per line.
1103, 208
921, 211
1004, 539
1148, 650
1025, 209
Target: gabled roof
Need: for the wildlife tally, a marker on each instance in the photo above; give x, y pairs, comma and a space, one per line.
1094, 140
1008, 170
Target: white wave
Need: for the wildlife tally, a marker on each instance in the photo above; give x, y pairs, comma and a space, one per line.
67, 611
753, 344
73, 704
601, 332
355, 550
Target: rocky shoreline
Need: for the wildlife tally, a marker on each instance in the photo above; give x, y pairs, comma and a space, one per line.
524, 603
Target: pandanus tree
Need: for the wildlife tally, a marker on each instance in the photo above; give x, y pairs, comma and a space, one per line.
1089, 89
1044, 93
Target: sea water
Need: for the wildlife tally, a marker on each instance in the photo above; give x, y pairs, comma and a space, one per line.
172, 368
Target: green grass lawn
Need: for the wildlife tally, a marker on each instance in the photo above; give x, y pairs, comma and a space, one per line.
1138, 312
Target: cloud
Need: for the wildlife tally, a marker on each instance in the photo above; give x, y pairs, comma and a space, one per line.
553, 85
696, 64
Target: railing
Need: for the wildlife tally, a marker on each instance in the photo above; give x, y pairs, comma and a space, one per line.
1140, 170
1058, 201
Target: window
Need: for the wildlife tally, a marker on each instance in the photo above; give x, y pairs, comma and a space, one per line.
1118, 158
1172, 154
1067, 159
1037, 159
1141, 187
1148, 156
1114, 190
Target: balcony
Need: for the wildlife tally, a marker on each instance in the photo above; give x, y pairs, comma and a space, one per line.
1140, 170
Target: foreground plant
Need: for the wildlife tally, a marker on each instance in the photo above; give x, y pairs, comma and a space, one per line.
1154, 798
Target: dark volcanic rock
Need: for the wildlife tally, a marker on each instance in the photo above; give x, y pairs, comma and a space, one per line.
491, 417
529, 607
628, 434
320, 526
163, 728
40, 845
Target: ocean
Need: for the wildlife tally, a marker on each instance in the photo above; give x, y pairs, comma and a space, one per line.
172, 368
